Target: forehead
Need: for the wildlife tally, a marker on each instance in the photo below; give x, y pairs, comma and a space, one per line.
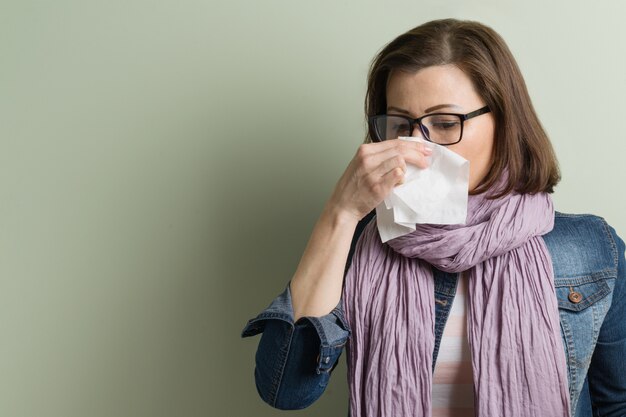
431, 86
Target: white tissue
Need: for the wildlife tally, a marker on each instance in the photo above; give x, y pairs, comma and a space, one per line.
434, 195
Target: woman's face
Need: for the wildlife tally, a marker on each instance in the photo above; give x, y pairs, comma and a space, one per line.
445, 88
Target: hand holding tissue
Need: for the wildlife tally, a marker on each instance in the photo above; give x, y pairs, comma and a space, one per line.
435, 195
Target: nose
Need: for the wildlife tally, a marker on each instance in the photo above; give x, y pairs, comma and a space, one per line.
417, 132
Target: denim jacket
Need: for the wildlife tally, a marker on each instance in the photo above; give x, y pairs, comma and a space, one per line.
294, 361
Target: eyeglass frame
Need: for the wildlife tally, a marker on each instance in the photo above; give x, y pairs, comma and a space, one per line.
418, 121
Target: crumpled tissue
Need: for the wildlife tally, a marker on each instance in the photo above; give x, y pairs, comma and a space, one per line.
434, 195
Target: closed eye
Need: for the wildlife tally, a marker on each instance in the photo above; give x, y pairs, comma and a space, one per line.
445, 125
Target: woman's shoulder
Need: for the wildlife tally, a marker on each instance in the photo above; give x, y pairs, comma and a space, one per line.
583, 244
582, 228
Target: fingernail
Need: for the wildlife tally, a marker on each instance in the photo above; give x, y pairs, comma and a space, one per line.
427, 150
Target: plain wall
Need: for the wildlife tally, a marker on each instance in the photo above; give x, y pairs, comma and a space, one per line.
162, 165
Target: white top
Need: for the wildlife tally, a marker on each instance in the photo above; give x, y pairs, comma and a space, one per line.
453, 387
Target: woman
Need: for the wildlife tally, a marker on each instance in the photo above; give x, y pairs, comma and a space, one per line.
532, 298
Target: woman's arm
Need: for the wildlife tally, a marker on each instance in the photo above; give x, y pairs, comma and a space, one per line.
317, 283
295, 358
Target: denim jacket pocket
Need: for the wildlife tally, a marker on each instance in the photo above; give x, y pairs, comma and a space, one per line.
576, 294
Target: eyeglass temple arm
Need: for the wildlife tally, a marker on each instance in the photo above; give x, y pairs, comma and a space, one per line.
478, 112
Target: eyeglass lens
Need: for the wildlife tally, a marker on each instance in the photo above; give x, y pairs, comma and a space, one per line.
438, 128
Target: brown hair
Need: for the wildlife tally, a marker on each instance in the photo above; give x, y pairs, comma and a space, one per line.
521, 145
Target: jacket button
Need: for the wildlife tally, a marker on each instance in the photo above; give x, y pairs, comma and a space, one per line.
575, 297
327, 359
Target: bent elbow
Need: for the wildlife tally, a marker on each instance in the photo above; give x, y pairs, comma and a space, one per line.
285, 372
291, 396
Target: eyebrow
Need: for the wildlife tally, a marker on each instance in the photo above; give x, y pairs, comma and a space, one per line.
428, 110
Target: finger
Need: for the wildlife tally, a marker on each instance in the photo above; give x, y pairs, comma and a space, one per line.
377, 147
382, 188
386, 175
388, 165
392, 178
399, 156
420, 158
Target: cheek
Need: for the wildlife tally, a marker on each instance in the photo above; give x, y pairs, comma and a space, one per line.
481, 154
485, 151
477, 150
464, 150
477, 147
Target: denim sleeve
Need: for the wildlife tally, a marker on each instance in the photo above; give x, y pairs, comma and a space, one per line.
607, 371
294, 361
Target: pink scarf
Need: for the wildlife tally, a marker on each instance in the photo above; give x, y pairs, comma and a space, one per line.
518, 359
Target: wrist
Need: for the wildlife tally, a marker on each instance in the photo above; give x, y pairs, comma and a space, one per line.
340, 216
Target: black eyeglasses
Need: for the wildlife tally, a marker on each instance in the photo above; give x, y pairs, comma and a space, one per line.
440, 128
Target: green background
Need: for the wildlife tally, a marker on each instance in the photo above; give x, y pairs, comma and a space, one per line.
162, 165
